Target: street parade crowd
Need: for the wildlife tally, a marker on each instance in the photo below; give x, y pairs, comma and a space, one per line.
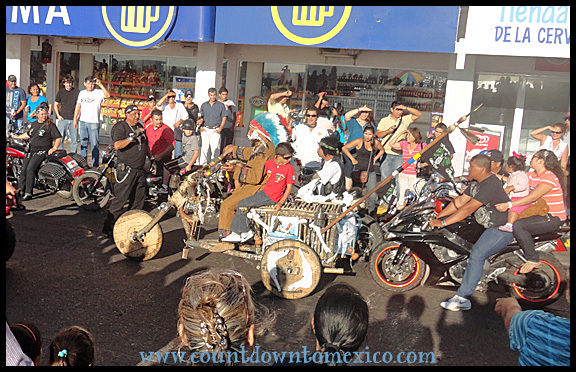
325, 151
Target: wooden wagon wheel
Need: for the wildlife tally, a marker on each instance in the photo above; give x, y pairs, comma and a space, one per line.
139, 250
290, 269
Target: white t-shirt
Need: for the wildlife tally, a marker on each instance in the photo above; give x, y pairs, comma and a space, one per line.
171, 116
90, 103
306, 144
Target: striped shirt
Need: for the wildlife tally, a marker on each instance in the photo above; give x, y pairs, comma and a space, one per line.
407, 155
541, 338
554, 198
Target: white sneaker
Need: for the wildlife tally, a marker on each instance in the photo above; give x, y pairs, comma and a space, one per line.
232, 238
457, 303
244, 237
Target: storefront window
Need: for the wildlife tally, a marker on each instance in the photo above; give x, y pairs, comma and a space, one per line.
541, 102
356, 86
131, 79
37, 71
70, 65
547, 101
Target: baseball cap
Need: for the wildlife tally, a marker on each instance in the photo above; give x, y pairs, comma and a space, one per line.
130, 108
12, 78
567, 116
495, 155
188, 94
151, 97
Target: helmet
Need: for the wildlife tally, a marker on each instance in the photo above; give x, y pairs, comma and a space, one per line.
188, 124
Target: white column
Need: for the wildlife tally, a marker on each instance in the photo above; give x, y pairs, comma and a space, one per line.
209, 70
253, 87
18, 59
458, 102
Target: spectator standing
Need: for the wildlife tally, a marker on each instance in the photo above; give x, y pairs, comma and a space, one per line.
161, 140
390, 129
64, 106
553, 142
364, 160
213, 118
355, 128
278, 104
87, 117
33, 102
147, 111
227, 134
410, 147
305, 139
15, 103
173, 114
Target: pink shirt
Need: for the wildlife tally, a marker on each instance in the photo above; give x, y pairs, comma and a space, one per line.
407, 154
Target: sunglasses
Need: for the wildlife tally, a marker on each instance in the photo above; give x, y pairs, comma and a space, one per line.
311, 116
287, 157
554, 132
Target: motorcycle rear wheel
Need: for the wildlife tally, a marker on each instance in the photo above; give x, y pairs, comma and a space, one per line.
400, 277
545, 284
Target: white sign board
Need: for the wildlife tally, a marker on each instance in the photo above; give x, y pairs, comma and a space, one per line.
536, 31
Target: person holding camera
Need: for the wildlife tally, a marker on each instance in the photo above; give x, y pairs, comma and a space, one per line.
132, 149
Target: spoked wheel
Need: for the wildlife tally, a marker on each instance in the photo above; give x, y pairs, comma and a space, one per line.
290, 269
395, 268
542, 285
89, 193
137, 249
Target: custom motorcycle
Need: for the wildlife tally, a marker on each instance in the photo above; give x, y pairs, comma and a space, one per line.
413, 254
94, 188
58, 172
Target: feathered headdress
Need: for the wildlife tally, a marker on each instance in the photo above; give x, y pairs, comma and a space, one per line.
270, 126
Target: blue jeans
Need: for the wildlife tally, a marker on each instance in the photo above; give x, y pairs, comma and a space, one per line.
372, 199
66, 126
490, 242
89, 131
240, 221
17, 124
389, 165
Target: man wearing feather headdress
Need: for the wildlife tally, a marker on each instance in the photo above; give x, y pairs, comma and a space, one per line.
266, 130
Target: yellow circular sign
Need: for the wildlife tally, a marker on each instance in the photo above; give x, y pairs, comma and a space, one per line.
310, 40
152, 37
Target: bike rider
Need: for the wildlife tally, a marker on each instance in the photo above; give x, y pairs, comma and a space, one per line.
479, 199
131, 148
44, 140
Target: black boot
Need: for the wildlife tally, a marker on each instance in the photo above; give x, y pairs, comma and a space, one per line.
108, 228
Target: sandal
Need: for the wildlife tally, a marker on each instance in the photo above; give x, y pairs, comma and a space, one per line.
529, 266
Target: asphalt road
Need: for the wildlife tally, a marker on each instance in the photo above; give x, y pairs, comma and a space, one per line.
64, 272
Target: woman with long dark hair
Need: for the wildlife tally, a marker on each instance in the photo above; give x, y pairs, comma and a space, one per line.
340, 321
549, 183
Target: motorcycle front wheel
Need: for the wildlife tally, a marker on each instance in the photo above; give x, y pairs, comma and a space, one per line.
396, 269
89, 193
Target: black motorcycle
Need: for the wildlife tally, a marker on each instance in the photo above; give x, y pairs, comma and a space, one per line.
57, 173
94, 188
412, 254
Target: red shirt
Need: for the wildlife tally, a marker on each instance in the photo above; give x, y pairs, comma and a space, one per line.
279, 176
159, 138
